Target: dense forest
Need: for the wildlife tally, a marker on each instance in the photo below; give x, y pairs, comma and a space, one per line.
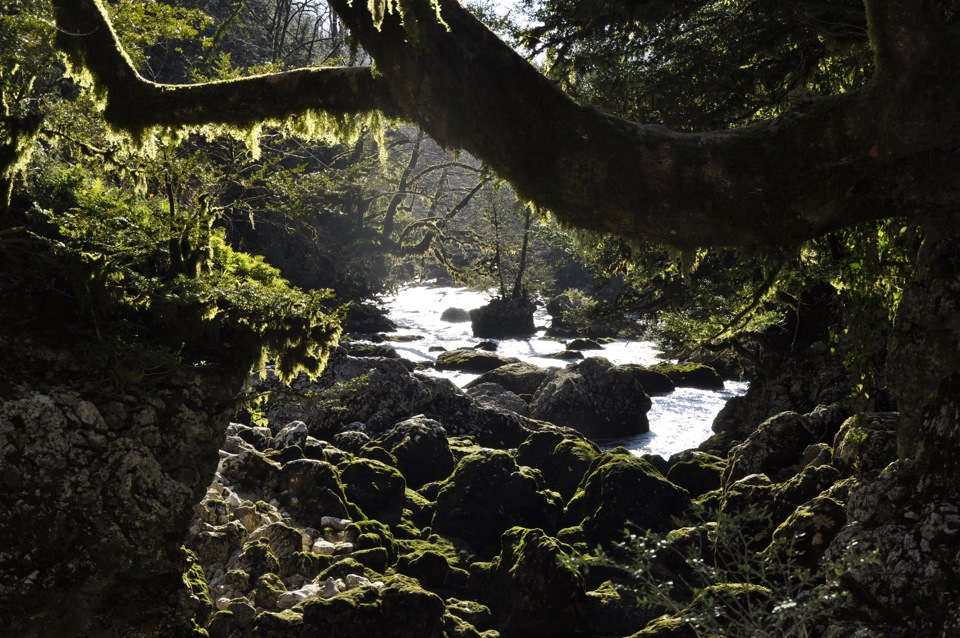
199, 199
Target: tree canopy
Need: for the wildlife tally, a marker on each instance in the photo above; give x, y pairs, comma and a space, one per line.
830, 161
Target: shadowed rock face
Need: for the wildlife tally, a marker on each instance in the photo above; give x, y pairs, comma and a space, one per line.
98, 496
595, 397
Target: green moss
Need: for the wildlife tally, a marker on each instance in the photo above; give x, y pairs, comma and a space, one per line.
370, 534
196, 582
691, 375
278, 624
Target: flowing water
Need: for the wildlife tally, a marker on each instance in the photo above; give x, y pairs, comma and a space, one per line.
678, 421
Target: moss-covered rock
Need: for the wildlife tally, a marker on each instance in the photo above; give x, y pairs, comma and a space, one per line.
503, 319
312, 490
691, 375
400, 609
258, 559
653, 382
866, 442
698, 473
562, 457
620, 492
433, 570
214, 546
595, 397
372, 534
521, 378
471, 360
376, 488
531, 587
776, 447
495, 397
489, 493
421, 448
196, 581
804, 537
278, 625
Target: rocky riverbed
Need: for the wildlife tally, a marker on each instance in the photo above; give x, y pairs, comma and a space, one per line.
382, 501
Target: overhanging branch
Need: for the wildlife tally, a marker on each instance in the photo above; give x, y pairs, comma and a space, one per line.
134, 103
832, 162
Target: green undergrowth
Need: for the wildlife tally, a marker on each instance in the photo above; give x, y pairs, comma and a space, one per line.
109, 273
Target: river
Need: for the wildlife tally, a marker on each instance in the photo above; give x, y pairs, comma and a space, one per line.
678, 421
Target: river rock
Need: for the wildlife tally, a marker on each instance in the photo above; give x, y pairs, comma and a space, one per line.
455, 315
493, 396
375, 487
595, 397
565, 355
653, 381
697, 472
359, 349
805, 536
562, 456
367, 319
471, 360
400, 609
776, 447
372, 395
292, 434
691, 375
421, 448
584, 344
504, 319
312, 489
799, 383
487, 494
621, 492
531, 587
521, 378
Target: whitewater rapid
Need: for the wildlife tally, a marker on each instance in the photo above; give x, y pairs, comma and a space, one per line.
678, 421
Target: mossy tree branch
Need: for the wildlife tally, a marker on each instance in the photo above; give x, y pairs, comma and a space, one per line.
135, 104
887, 149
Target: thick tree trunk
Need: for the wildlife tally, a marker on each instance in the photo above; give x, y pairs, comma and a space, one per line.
888, 149
923, 367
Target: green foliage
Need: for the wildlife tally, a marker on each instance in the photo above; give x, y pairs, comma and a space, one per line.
115, 251
709, 579
700, 64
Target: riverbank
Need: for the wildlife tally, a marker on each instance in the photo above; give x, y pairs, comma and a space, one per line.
678, 420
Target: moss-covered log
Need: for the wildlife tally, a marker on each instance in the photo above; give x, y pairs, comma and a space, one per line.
833, 161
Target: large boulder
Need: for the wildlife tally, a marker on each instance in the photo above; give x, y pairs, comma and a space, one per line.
532, 587
504, 319
421, 448
595, 397
455, 315
866, 441
809, 377
521, 378
776, 447
493, 396
489, 493
400, 608
312, 490
375, 487
623, 492
562, 456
